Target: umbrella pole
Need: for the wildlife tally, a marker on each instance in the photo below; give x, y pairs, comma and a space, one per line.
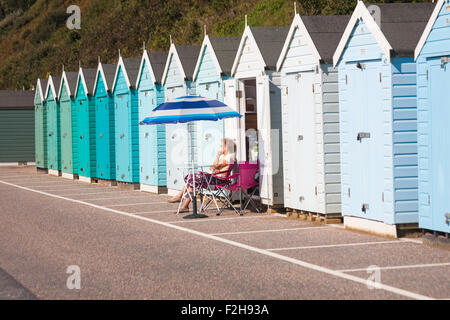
194, 215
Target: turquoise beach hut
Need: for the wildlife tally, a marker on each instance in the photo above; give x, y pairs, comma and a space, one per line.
84, 154
152, 139
126, 115
67, 106
40, 125
53, 126
177, 82
378, 116
433, 82
105, 123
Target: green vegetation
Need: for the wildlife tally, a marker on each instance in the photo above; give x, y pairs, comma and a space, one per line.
34, 38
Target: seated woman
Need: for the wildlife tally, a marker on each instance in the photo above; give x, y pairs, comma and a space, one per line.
221, 168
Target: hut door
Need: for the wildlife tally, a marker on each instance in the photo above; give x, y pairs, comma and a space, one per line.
440, 143
366, 141
264, 139
302, 140
232, 126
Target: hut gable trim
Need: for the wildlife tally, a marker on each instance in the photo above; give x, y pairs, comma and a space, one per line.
121, 65
107, 76
207, 45
51, 85
172, 52
87, 76
297, 23
145, 59
247, 35
361, 12
429, 27
39, 90
67, 78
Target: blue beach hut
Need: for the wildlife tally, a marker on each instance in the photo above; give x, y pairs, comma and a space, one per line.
40, 125
378, 116
126, 115
152, 139
310, 113
177, 82
84, 153
433, 82
105, 123
212, 69
53, 126
67, 105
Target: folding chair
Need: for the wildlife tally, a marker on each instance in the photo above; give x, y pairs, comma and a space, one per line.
245, 181
211, 192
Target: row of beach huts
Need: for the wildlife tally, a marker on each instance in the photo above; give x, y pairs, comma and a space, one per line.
352, 115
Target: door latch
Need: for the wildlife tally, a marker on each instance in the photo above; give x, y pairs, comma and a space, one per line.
363, 135
365, 207
300, 138
447, 218
444, 61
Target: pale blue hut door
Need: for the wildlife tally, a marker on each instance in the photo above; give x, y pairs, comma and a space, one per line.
440, 141
302, 139
365, 155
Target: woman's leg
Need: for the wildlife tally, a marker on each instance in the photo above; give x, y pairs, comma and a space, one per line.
177, 198
186, 202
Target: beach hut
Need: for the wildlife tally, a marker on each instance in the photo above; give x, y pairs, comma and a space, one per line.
378, 116
212, 69
177, 82
433, 81
310, 113
84, 151
53, 126
40, 125
105, 123
68, 131
126, 115
152, 139
255, 93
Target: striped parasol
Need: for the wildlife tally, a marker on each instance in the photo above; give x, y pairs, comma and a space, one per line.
188, 109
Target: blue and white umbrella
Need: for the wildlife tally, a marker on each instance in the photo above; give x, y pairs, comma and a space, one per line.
188, 109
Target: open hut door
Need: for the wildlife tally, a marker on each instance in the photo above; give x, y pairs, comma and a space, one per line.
264, 139
232, 125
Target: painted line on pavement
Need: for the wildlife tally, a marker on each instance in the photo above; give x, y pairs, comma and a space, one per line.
264, 252
263, 231
411, 266
335, 245
134, 204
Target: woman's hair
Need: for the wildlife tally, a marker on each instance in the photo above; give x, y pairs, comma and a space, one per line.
230, 145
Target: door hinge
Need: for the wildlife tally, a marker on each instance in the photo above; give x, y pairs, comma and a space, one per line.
239, 94
315, 190
447, 218
427, 74
382, 196
289, 187
381, 77
346, 79
287, 90
313, 90
348, 192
